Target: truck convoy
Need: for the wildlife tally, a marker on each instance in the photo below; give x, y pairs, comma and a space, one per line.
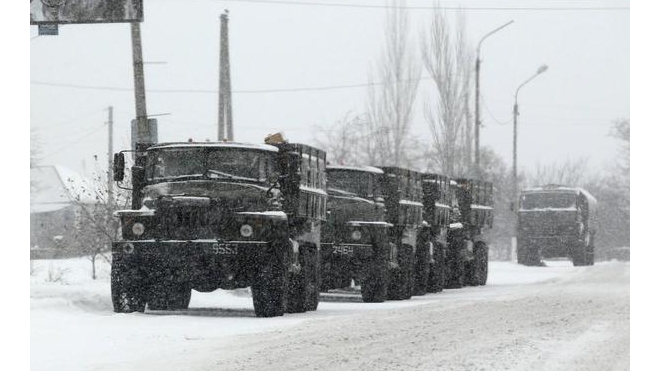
209, 215
556, 221
221, 215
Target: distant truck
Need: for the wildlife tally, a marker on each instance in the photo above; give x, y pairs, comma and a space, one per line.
402, 193
439, 201
221, 215
556, 221
355, 240
467, 253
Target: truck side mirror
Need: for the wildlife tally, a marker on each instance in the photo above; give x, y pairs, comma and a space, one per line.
118, 167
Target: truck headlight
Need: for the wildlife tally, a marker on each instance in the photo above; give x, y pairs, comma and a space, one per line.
246, 230
138, 229
356, 235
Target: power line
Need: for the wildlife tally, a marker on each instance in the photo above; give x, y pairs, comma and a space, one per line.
371, 6
75, 141
213, 91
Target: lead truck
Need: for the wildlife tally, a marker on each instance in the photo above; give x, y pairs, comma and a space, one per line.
221, 215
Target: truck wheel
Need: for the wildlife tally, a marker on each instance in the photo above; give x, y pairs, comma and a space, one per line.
269, 290
400, 287
579, 253
437, 270
591, 252
456, 269
521, 254
375, 282
481, 263
126, 287
313, 278
169, 296
421, 266
300, 285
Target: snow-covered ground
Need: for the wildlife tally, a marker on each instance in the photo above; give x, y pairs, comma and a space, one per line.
536, 317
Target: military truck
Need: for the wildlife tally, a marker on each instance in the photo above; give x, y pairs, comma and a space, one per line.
402, 191
556, 221
431, 250
467, 253
224, 215
354, 241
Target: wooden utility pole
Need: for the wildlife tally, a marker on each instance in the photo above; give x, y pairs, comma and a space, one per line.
225, 124
110, 156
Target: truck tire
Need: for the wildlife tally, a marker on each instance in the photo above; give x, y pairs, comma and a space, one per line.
579, 253
400, 287
374, 285
127, 287
521, 254
480, 274
437, 270
269, 289
421, 267
455, 269
591, 251
303, 285
313, 278
169, 296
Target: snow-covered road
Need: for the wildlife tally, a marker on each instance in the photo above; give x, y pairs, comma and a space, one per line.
544, 318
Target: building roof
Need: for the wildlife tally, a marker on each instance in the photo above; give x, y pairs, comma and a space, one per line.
56, 187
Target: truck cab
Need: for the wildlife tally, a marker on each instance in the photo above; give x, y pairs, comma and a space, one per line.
227, 215
355, 238
556, 221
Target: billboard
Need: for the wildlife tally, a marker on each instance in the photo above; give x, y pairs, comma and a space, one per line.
84, 11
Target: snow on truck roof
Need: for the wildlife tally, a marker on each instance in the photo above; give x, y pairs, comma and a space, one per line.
368, 169
261, 147
561, 188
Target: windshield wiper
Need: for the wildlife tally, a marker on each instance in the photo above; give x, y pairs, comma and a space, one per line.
228, 176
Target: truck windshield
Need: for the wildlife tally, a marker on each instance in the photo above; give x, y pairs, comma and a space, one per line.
357, 182
211, 163
545, 200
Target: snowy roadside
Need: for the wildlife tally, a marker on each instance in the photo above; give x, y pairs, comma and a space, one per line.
73, 326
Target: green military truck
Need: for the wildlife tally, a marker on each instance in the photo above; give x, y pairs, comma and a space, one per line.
439, 201
354, 241
402, 193
220, 215
467, 253
556, 221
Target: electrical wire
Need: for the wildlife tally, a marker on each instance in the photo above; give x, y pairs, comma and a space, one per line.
371, 6
73, 142
213, 91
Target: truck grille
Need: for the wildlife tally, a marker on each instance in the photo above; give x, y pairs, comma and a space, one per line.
189, 223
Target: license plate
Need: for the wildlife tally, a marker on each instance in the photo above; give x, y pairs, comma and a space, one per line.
342, 249
224, 249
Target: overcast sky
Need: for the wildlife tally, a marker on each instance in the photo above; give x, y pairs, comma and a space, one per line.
564, 113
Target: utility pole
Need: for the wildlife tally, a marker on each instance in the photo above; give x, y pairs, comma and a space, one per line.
477, 119
143, 132
110, 157
225, 123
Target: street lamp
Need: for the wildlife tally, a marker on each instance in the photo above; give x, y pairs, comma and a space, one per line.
541, 69
476, 99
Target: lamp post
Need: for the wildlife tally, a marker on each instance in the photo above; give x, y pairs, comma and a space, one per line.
541, 69
477, 121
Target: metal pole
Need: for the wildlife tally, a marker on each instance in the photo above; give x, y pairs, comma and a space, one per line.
225, 109
221, 103
515, 153
477, 118
110, 155
143, 132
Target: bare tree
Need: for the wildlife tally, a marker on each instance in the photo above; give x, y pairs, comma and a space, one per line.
96, 227
389, 104
569, 172
447, 59
343, 140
